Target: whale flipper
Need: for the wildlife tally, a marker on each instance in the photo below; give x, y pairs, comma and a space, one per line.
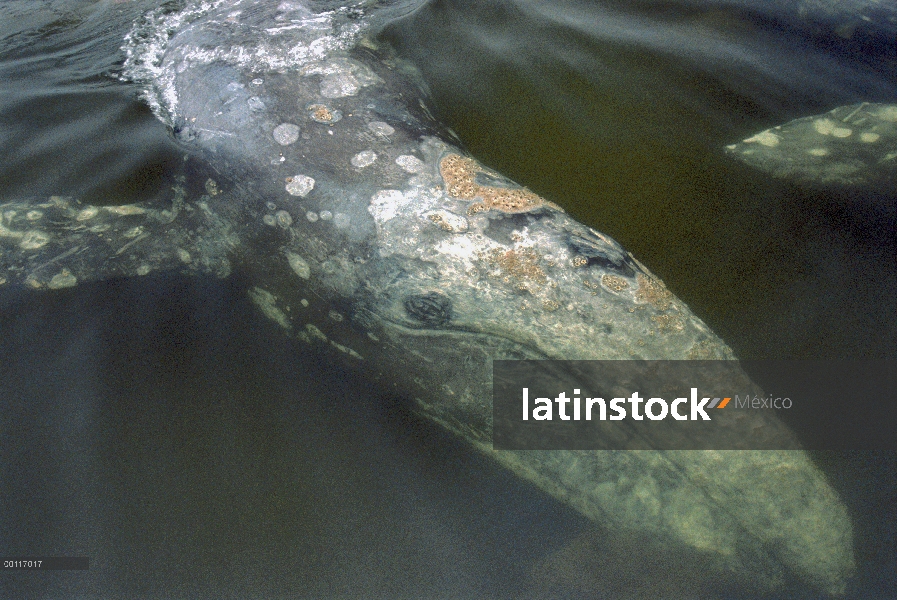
850, 145
59, 242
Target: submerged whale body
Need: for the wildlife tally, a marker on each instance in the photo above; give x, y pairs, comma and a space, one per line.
363, 230
849, 146
853, 145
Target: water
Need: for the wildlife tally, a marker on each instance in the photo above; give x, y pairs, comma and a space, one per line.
620, 116
163, 428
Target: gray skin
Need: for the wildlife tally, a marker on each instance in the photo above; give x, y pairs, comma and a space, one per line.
854, 145
849, 146
364, 231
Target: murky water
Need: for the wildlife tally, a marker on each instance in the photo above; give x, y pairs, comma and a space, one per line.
164, 429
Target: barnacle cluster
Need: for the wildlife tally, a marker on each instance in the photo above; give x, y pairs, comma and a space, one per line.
459, 174
653, 292
519, 264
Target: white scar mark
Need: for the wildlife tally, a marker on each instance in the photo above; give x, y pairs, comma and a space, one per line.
131, 243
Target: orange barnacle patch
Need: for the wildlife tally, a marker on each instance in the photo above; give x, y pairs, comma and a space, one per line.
668, 323
521, 265
322, 113
653, 292
617, 284
459, 174
708, 349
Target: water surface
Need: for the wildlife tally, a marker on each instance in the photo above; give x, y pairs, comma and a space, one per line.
164, 429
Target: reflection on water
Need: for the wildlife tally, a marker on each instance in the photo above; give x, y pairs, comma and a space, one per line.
63, 111
164, 429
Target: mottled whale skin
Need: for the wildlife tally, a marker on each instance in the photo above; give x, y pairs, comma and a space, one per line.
852, 145
365, 231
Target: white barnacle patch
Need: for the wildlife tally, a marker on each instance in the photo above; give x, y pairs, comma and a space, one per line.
765, 138
298, 265
363, 159
269, 220
381, 128
447, 221
312, 216
326, 215
285, 134
411, 164
841, 132
342, 76
267, 303
133, 232
143, 270
824, 126
339, 86
829, 127
87, 214
33, 215
184, 256
817, 152
336, 316
300, 185
63, 279
126, 210
461, 247
32, 240
869, 137
399, 219
386, 204
283, 218
255, 103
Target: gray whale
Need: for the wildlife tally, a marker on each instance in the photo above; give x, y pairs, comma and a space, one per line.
365, 231
853, 145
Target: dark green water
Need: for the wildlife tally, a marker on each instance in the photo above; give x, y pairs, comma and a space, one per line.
164, 429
